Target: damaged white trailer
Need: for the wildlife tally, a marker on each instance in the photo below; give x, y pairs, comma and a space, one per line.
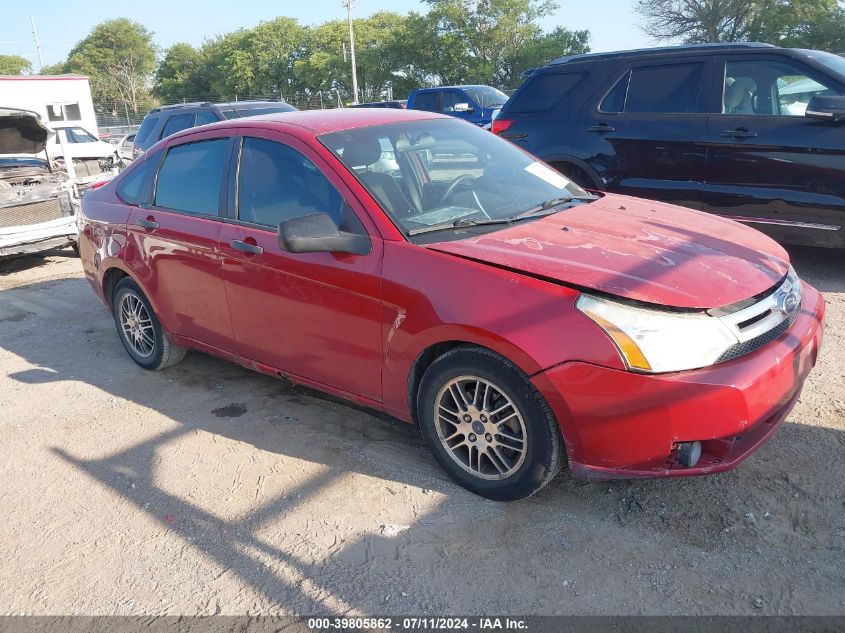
38, 204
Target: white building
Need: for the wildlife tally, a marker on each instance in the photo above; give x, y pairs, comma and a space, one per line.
59, 99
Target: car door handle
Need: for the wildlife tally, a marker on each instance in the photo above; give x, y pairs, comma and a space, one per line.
253, 249
147, 224
739, 133
601, 128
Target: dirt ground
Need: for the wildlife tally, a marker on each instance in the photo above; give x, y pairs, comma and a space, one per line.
208, 489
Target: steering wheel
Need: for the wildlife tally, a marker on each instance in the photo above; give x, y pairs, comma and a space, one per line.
454, 185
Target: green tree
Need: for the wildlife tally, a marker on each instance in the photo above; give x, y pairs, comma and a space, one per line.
182, 74
494, 35
14, 65
816, 24
119, 57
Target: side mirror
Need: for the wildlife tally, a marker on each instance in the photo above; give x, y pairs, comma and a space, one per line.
826, 108
317, 233
463, 107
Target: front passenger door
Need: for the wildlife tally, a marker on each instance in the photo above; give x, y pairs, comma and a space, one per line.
769, 165
313, 315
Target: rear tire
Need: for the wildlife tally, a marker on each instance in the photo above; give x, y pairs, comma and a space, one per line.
139, 329
487, 426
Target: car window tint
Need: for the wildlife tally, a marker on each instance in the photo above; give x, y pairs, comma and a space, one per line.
450, 98
769, 88
245, 112
614, 102
665, 89
191, 176
177, 123
206, 117
544, 92
146, 128
134, 187
429, 101
277, 183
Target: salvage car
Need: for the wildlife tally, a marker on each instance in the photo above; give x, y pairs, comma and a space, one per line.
37, 202
517, 319
91, 156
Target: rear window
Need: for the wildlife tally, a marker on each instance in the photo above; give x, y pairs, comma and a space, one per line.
429, 101
191, 177
146, 128
544, 92
674, 89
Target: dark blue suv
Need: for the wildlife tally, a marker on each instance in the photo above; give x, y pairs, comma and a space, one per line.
748, 131
475, 104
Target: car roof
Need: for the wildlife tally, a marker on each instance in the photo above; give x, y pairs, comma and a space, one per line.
461, 87
325, 121
208, 104
661, 51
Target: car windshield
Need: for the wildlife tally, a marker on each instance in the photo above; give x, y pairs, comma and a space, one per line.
834, 62
487, 97
442, 174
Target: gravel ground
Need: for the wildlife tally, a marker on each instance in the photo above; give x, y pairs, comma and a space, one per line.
208, 489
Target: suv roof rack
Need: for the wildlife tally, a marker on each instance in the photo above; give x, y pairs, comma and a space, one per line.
662, 49
176, 106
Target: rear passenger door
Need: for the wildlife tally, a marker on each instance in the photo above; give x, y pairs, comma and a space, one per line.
644, 133
768, 164
314, 315
172, 239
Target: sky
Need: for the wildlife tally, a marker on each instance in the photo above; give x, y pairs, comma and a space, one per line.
60, 25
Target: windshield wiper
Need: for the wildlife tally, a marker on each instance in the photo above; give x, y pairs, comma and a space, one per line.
548, 205
460, 223
540, 209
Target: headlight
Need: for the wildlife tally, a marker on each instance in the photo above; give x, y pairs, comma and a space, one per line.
657, 341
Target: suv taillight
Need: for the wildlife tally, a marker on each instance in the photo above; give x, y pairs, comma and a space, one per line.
501, 125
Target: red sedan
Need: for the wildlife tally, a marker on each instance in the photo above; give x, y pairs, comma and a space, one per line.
423, 267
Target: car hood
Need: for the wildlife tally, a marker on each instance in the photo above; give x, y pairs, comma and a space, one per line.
21, 132
636, 249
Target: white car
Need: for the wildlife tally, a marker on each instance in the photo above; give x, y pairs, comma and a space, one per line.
38, 203
90, 155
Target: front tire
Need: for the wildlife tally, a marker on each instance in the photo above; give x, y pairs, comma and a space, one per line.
487, 425
139, 329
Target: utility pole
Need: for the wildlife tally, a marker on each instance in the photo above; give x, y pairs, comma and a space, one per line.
348, 4
37, 44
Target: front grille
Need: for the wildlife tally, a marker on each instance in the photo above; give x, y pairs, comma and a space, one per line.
751, 345
32, 213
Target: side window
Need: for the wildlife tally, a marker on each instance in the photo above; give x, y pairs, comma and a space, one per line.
450, 98
146, 128
429, 101
206, 116
769, 88
614, 102
191, 177
277, 183
134, 188
177, 123
665, 89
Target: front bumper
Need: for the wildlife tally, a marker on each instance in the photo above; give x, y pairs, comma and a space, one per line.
619, 424
32, 238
